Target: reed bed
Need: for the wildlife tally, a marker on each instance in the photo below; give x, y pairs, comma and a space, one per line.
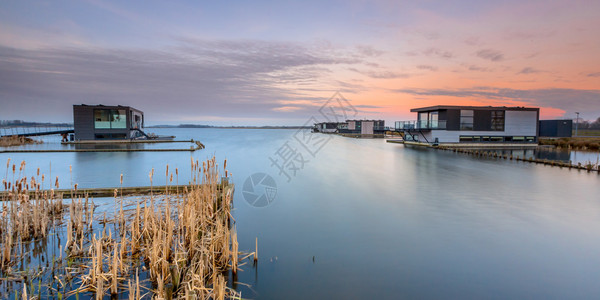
17, 141
174, 246
581, 143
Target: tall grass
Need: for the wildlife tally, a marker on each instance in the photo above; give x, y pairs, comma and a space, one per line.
183, 244
17, 141
592, 144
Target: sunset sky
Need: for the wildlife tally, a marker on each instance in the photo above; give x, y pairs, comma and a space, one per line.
277, 62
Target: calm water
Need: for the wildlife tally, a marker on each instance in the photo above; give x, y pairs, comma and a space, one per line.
383, 220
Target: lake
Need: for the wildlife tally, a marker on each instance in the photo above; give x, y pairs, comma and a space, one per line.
362, 218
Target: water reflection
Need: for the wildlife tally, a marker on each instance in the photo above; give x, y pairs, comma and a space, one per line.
549, 153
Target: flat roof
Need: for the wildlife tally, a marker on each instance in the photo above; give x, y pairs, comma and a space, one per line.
109, 106
363, 120
444, 107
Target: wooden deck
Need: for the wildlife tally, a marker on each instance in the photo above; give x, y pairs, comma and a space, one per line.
121, 191
195, 145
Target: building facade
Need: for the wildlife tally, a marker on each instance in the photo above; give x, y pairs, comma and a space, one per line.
328, 127
473, 124
556, 128
364, 127
100, 122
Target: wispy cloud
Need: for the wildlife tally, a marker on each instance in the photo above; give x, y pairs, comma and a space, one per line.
427, 67
529, 70
596, 74
564, 99
478, 68
380, 74
439, 53
490, 54
208, 77
528, 34
367, 106
473, 41
369, 51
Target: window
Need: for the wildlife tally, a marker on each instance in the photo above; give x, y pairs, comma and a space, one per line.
433, 120
101, 118
423, 120
109, 136
464, 139
110, 119
466, 119
137, 120
490, 139
497, 120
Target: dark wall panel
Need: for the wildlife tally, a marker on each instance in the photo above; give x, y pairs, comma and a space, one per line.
556, 128
442, 115
482, 120
453, 119
83, 122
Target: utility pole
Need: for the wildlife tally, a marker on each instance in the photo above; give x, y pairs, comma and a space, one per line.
576, 123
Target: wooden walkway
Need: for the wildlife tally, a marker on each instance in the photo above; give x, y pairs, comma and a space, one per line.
191, 149
121, 191
196, 145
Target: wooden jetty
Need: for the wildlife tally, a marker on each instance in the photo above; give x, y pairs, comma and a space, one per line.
191, 149
474, 146
121, 191
100, 142
196, 145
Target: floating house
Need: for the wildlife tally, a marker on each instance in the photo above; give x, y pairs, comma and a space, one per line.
100, 122
364, 127
328, 127
472, 125
556, 128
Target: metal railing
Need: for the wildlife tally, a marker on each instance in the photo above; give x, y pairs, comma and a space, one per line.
424, 124
14, 130
403, 125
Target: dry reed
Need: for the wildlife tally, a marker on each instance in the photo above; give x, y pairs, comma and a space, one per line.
11, 141
184, 244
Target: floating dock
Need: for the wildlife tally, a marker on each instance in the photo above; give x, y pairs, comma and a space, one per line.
121, 191
196, 145
118, 142
498, 146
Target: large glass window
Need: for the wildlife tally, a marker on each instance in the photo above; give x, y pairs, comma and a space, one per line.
466, 119
497, 120
433, 120
101, 118
110, 119
423, 120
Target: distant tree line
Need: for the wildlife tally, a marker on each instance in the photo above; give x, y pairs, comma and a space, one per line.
25, 123
589, 124
212, 126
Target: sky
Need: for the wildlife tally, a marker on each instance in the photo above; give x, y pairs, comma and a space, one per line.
278, 62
